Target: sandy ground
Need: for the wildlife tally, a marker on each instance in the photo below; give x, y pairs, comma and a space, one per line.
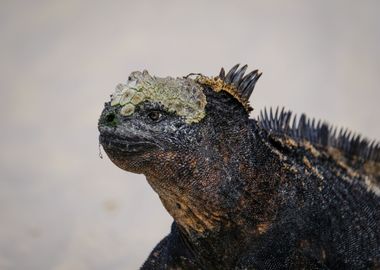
61, 206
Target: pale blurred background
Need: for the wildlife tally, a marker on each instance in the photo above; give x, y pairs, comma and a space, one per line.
61, 206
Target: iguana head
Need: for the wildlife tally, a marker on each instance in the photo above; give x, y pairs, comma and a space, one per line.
147, 115
179, 132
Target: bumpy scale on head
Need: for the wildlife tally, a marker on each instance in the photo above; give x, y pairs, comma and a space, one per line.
182, 96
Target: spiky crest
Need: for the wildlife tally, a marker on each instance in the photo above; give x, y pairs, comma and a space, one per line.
234, 83
318, 132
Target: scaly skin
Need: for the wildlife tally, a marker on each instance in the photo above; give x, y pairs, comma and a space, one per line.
243, 196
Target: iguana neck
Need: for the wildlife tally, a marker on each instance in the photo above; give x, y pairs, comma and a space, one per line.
225, 191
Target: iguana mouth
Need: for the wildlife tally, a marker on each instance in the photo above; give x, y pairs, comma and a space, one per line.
114, 143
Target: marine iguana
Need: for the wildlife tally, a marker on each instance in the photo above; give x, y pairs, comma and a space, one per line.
267, 193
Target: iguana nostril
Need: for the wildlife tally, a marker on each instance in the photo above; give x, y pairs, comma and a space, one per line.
110, 119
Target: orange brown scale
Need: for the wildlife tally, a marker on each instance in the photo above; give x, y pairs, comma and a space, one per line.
218, 85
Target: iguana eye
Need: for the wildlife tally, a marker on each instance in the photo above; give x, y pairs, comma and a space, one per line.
154, 115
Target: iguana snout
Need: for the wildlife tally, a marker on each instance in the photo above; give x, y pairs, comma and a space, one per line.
123, 135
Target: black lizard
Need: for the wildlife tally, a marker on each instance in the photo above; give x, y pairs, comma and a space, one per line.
267, 193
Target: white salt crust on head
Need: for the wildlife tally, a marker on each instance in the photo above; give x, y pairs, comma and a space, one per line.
182, 96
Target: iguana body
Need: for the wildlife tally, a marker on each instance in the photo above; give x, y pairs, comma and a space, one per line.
273, 193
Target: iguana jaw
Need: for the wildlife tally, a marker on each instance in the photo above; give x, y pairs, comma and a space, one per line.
126, 152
